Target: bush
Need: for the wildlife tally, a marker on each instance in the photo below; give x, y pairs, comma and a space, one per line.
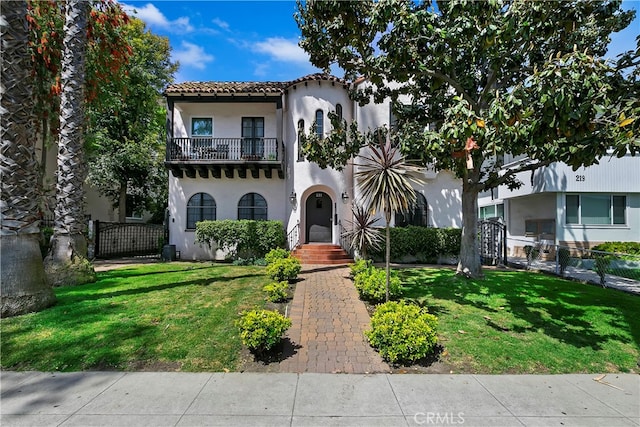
275, 254
284, 269
372, 283
250, 261
277, 291
241, 238
260, 330
601, 265
564, 256
359, 266
424, 243
631, 248
402, 332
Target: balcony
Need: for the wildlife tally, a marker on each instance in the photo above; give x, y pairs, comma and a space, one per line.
203, 155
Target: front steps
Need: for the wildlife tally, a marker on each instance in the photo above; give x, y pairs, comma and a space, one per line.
322, 254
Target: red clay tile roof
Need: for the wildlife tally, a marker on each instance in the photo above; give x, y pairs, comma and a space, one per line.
226, 88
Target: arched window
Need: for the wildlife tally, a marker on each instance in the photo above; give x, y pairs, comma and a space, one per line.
319, 123
252, 206
200, 207
300, 133
417, 215
339, 111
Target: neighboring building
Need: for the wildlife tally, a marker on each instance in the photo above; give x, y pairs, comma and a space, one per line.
233, 153
579, 209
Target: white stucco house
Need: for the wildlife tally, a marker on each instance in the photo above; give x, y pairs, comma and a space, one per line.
233, 153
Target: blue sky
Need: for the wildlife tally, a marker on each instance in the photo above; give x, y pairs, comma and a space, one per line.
253, 40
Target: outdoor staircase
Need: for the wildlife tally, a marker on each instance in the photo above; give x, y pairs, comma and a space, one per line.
321, 253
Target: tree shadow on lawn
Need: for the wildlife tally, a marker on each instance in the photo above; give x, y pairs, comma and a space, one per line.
67, 299
125, 272
559, 308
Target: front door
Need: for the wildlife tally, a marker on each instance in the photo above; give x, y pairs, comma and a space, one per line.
318, 217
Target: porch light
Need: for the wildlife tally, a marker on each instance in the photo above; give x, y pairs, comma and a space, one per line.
345, 197
292, 198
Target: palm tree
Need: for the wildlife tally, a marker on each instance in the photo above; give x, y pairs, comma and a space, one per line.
22, 280
66, 263
384, 179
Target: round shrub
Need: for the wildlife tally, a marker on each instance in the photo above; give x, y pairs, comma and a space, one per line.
402, 332
359, 266
371, 285
277, 291
284, 269
260, 330
275, 254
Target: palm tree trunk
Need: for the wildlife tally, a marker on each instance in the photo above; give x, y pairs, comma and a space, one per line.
23, 283
66, 263
387, 255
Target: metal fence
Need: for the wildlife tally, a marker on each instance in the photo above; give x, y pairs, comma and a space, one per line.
584, 264
128, 239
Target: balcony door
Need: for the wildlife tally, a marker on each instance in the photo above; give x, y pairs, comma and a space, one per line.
253, 137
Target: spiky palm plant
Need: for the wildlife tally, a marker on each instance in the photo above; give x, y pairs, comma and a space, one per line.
363, 235
384, 179
23, 283
66, 263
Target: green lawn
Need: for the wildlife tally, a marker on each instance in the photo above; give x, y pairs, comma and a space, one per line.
524, 322
157, 316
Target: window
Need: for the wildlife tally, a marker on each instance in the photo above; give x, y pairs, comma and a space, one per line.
417, 215
339, 111
319, 123
200, 207
300, 142
491, 211
595, 209
201, 126
253, 137
252, 206
537, 227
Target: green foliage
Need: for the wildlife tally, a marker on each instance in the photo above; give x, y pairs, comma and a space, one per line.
127, 132
564, 257
601, 266
363, 235
425, 243
276, 254
532, 253
371, 285
284, 269
631, 248
360, 266
480, 80
260, 330
245, 238
249, 261
402, 332
277, 291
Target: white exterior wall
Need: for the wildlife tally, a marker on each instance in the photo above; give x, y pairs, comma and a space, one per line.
227, 193
306, 178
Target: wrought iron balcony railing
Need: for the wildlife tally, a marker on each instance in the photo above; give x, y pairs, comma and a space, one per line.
224, 150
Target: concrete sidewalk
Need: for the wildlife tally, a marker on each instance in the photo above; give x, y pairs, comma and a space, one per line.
309, 399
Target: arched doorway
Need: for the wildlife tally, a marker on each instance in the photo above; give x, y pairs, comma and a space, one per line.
318, 218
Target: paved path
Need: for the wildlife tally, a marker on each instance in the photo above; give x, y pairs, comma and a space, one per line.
328, 322
260, 399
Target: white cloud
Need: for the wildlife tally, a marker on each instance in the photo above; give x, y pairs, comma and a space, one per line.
282, 49
192, 55
220, 23
152, 16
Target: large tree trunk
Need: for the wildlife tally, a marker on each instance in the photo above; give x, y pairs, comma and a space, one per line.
23, 283
66, 263
469, 264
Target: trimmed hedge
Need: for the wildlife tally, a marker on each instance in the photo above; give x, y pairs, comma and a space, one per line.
244, 238
631, 248
371, 285
260, 330
402, 332
425, 244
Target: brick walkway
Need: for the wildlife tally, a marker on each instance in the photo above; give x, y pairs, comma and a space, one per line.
328, 321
